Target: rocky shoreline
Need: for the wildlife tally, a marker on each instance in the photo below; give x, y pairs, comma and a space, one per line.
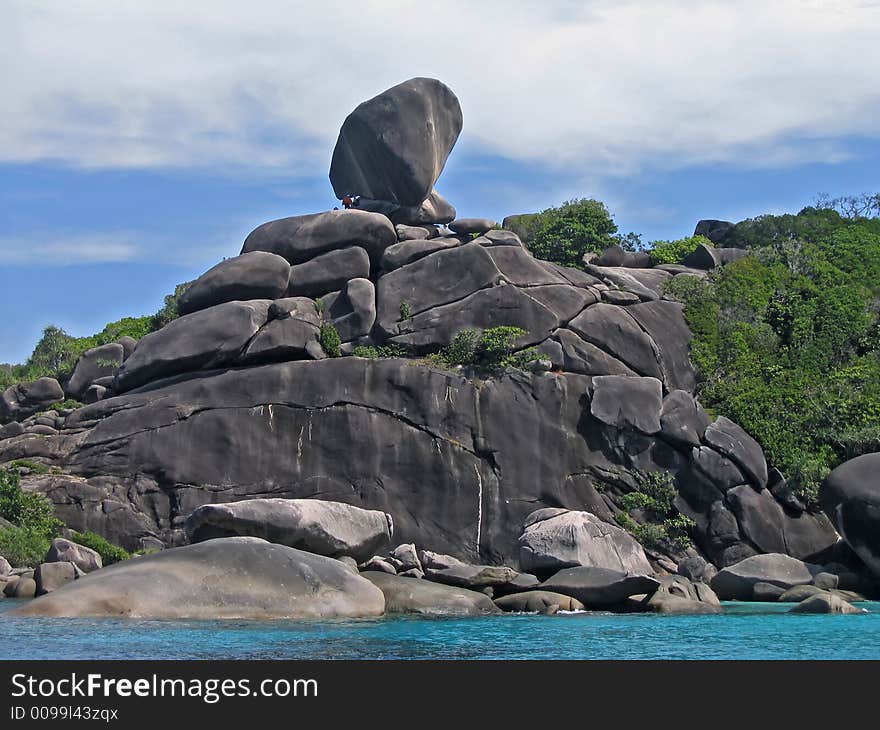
527, 434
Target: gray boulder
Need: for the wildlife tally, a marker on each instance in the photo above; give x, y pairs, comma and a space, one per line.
736, 582
682, 419
613, 330
94, 393
248, 579
568, 539
599, 587
767, 592
715, 230
825, 603
850, 496
472, 225
97, 362
405, 252
24, 587
254, 275
678, 595
452, 571
616, 256
537, 602
50, 577
706, 258
408, 557
14, 428
82, 557
732, 441
354, 313
128, 344
378, 564
328, 272
301, 238
579, 356
796, 594
291, 333
19, 401
434, 209
210, 338
316, 526
394, 146
625, 402
411, 595
5, 567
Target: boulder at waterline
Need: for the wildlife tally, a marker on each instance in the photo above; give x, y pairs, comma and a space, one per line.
24, 587
850, 496
599, 587
317, 526
237, 577
254, 275
393, 147
50, 577
452, 571
414, 595
736, 582
84, 558
825, 603
566, 539
537, 602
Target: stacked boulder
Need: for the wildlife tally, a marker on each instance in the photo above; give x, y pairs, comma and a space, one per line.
244, 396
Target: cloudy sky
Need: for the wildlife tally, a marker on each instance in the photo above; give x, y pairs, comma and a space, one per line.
141, 141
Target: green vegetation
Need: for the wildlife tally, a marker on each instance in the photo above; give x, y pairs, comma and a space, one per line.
109, 552
26, 543
787, 342
663, 524
674, 252
66, 405
404, 310
564, 234
330, 340
374, 353
492, 349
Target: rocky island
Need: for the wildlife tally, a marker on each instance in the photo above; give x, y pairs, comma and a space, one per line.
388, 409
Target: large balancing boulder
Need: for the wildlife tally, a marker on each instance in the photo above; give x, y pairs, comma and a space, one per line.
850, 496
554, 539
255, 275
393, 147
326, 528
21, 400
231, 578
97, 362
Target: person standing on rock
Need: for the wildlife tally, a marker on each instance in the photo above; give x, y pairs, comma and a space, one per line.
346, 201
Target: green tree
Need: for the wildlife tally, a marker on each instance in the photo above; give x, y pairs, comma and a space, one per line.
564, 234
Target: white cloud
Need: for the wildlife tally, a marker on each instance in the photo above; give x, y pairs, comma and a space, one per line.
66, 251
600, 87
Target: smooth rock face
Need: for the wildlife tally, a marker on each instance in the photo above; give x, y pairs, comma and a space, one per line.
682, 419
394, 146
210, 338
678, 595
255, 275
850, 496
82, 557
599, 587
569, 539
231, 578
316, 526
412, 595
94, 363
538, 602
301, 238
624, 402
715, 230
736, 582
728, 438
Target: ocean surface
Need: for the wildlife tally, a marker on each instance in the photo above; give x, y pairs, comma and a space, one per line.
745, 631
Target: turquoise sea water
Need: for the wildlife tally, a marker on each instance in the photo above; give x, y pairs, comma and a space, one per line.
746, 631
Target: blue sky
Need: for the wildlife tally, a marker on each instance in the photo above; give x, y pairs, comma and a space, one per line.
140, 144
